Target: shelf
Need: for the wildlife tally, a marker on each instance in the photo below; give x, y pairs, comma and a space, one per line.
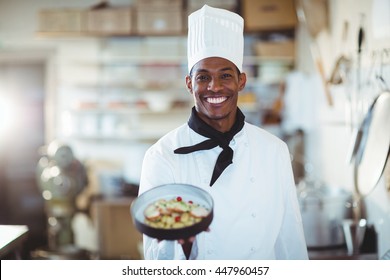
136, 86
101, 35
339, 254
136, 78
256, 60
134, 60
130, 111
170, 60
121, 124
136, 136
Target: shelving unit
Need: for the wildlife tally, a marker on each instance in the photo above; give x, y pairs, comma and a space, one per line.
137, 96
130, 96
118, 91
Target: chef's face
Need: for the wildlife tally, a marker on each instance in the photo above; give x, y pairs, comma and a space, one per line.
214, 83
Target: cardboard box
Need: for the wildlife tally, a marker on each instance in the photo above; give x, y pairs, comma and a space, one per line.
110, 21
230, 5
61, 20
118, 238
158, 4
262, 15
276, 49
159, 17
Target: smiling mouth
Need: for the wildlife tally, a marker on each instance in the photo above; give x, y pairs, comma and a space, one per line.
216, 100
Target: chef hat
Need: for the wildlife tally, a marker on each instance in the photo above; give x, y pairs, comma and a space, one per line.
214, 32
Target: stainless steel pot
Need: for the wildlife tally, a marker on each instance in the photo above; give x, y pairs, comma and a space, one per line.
323, 210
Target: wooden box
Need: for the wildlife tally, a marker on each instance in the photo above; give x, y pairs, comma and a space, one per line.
110, 21
61, 20
262, 15
160, 17
118, 237
275, 49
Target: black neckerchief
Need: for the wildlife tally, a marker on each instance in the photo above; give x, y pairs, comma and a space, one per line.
216, 138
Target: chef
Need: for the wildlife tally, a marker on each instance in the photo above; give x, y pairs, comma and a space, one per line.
246, 169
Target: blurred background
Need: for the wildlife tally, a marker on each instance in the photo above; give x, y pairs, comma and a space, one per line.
87, 86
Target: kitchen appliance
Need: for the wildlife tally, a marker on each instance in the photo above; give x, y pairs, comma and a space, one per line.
61, 177
323, 209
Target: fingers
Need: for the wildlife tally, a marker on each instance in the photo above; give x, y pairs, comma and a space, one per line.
189, 240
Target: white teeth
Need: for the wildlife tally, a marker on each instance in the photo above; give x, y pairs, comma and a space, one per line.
216, 100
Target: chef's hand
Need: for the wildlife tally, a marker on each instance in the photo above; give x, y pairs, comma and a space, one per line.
187, 245
184, 241
191, 239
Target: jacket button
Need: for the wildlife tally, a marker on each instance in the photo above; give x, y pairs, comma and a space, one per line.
252, 179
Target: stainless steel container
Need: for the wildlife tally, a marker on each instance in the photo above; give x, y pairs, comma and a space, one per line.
323, 210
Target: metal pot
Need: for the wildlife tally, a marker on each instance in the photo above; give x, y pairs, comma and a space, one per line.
323, 210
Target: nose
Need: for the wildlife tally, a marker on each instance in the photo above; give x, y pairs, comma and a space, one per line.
215, 85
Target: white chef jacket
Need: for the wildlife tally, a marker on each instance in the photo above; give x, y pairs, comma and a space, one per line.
256, 211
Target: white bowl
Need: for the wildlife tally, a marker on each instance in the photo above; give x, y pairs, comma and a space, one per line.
158, 101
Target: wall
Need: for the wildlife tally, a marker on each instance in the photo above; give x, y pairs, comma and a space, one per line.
328, 133
331, 133
18, 40
22, 133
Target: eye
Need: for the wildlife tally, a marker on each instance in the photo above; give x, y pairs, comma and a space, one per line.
202, 78
225, 76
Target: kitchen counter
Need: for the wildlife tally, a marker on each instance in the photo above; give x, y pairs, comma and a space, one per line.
339, 254
12, 238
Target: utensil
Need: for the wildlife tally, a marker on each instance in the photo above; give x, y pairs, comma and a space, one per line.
343, 63
320, 67
169, 191
358, 104
354, 234
372, 145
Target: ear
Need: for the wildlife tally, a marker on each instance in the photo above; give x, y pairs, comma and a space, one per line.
241, 81
189, 84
